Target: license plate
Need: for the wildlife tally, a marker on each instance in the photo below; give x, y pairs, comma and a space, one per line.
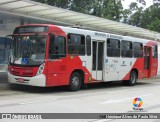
21, 80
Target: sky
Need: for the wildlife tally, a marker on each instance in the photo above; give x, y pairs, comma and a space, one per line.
126, 3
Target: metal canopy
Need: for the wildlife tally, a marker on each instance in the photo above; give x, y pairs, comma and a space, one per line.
31, 9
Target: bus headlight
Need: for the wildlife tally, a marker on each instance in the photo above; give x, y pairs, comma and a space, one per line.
40, 69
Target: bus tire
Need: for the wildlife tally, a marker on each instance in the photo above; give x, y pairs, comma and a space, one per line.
133, 78
75, 81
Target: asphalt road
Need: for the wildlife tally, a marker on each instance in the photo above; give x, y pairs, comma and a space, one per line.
98, 98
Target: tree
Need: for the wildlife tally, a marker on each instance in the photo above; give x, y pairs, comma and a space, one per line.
142, 2
133, 15
136, 16
97, 7
126, 14
112, 9
58, 3
82, 6
155, 25
151, 17
156, 1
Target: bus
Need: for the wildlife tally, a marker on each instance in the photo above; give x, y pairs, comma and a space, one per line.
5, 46
49, 55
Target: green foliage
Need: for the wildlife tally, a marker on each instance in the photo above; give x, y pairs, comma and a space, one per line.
146, 18
57, 3
155, 25
142, 2
126, 14
133, 15
151, 18
82, 6
112, 10
97, 7
136, 18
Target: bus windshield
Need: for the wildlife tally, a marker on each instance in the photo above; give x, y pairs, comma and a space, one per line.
28, 50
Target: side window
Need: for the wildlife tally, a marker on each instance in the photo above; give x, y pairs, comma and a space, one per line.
76, 44
126, 49
138, 49
57, 47
113, 48
88, 47
154, 52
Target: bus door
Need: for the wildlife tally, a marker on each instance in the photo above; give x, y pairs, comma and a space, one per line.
97, 59
147, 61
154, 58
57, 61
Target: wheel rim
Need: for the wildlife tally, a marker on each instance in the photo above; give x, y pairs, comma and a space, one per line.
75, 81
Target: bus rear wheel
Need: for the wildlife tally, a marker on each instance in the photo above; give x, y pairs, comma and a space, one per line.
132, 80
75, 81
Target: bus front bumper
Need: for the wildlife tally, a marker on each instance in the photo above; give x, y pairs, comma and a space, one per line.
39, 80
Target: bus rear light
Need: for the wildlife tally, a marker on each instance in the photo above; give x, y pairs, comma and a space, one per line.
40, 69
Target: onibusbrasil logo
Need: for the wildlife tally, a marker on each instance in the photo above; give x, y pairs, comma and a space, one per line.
137, 103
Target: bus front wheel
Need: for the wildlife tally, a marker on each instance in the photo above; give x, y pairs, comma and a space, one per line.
75, 81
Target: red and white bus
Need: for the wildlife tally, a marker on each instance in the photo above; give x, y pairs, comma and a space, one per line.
50, 55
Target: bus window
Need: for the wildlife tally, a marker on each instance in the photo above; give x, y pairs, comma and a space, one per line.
126, 49
88, 45
138, 49
76, 44
57, 47
113, 48
154, 52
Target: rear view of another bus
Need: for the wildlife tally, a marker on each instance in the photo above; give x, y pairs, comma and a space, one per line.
5, 46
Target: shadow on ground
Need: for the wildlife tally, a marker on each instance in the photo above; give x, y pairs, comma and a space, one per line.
59, 89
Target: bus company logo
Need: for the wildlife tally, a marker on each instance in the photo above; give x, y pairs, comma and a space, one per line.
137, 103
